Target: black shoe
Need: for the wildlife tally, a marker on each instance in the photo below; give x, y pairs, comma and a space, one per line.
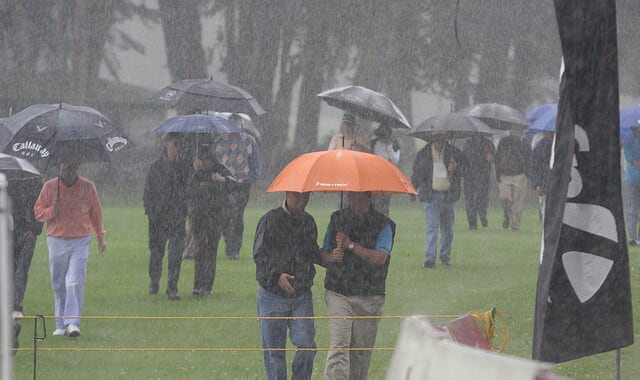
634, 242
153, 288
429, 264
505, 223
445, 263
473, 227
200, 292
484, 222
173, 295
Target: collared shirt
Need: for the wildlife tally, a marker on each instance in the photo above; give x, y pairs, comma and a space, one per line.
440, 181
80, 209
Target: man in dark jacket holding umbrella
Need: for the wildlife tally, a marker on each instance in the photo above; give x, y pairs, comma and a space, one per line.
165, 203
284, 250
437, 171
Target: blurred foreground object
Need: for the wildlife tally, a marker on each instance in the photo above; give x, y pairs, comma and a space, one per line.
427, 352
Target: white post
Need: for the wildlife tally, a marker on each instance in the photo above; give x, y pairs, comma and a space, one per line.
6, 284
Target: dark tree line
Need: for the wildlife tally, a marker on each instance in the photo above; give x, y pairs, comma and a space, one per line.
284, 52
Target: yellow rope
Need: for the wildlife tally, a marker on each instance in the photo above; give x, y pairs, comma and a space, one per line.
208, 318
486, 321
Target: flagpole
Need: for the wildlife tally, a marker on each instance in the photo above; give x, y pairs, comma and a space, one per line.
618, 364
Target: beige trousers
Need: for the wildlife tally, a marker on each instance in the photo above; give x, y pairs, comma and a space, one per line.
344, 361
512, 190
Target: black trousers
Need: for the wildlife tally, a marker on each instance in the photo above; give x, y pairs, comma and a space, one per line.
162, 232
476, 198
237, 197
207, 230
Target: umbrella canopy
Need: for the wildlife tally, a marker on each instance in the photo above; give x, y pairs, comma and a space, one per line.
366, 103
15, 166
451, 126
55, 132
197, 123
497, 116
207, 94
629, 118
341, 170
545, 122
540, 110
246, 124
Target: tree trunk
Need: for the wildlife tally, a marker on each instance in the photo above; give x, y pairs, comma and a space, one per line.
183, 39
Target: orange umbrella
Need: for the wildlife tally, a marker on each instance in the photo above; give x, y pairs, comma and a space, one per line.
341, 170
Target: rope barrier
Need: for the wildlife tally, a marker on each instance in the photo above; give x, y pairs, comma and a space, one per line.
182, 318
205, 349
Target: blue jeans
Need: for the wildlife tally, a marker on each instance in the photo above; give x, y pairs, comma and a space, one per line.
274, 334
633, 205
439, 215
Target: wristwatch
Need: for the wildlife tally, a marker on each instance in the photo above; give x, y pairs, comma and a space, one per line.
351, 246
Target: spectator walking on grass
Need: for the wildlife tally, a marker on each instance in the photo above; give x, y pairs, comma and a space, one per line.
70, 207
479, 152
285, 250
539, 169
632, 178
165, 204
239, 153
512, 168
387, 147
437, 173
206, 201
23, 193
357, 249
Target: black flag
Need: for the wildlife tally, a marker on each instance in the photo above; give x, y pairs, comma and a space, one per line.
583, 301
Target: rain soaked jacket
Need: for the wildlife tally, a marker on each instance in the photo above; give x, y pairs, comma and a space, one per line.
422, 177
165, 190
512, 157
285, 243
354, 276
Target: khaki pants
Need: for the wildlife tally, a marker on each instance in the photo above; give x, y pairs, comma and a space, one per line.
512, 190
350, 333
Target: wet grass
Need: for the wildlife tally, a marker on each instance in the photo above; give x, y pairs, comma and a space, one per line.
490, 267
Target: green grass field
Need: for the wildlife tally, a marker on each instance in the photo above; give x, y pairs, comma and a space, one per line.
490, 267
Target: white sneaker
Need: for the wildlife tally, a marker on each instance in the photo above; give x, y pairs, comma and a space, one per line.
17, 314
59, 332
73, 330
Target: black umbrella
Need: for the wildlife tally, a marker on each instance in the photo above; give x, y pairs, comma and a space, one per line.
366, 103
208, 95
16, 167
57, 132
451, 126
497, 116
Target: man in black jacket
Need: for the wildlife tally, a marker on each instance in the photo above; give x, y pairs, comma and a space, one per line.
165, 203
26, 228
512, 169
437, 171
284, 250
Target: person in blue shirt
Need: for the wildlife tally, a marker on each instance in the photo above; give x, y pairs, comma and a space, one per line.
632, 178
356, 251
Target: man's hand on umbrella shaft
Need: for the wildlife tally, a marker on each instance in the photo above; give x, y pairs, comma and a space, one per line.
285, 284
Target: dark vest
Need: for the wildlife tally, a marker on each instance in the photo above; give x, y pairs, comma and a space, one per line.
355, 276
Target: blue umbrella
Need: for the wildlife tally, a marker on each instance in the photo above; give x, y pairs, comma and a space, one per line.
197, 123
629, 118
545, 122
538, 111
